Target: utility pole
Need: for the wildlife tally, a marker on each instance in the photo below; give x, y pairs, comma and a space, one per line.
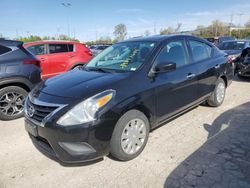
231, 24
154, 28
28, 33
17, 35
67, 5
239, 14
57, 32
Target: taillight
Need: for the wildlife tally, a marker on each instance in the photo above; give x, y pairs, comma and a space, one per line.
229, 59
89, 52
32, 62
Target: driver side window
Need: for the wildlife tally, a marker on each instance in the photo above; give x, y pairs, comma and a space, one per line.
173, 52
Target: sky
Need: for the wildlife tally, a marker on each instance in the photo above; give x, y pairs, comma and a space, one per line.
91, 19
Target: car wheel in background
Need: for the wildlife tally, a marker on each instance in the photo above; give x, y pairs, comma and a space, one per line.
130, 135
12, 102
78, 67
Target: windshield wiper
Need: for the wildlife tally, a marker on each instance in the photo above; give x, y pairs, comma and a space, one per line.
98, 69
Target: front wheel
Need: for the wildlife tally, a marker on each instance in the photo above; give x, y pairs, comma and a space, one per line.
218, 95
130, 135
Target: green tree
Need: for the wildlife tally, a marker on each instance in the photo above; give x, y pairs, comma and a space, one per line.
219, 28
46, 38
247, 24
120, 32
167, 31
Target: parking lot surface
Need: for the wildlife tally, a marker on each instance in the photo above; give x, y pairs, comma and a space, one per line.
205, 147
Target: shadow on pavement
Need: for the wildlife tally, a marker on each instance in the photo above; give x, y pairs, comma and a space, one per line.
224, 160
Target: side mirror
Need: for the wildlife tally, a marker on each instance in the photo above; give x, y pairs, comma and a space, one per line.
164, 67
161, 68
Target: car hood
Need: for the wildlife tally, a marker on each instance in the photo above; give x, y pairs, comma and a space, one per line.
81, 84
232, 52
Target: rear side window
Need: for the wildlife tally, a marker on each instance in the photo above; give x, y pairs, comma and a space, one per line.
234, 45
71, 47
200, 50
37, 49
173, 52
58, 48
4, 50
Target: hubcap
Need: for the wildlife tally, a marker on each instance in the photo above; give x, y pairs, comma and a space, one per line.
79, 67
12, 103
133, 136
220, 92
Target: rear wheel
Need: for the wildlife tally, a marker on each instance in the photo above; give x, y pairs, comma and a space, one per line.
217, 97
130, 135
12, 102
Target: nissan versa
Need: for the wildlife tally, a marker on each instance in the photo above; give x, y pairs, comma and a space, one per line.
124, 92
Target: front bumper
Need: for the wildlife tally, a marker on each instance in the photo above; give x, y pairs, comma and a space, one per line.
68, 144
74, 144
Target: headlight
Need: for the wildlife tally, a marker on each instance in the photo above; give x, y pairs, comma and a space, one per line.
86, 110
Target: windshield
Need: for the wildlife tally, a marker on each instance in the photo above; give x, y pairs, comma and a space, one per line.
234, 45
126, 56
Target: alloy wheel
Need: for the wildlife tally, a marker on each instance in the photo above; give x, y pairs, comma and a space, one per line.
12, 103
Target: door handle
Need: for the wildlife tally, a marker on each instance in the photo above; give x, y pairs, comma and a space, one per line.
190, 75
217, 66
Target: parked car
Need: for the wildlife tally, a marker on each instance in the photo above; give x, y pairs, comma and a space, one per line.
221, 39
234, 47
19, 73
59, 56
129, 89
243, 63
98, 49
210, 39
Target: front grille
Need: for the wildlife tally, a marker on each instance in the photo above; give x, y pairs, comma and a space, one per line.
40, 111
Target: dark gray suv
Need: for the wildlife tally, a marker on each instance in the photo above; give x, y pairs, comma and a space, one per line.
19, 72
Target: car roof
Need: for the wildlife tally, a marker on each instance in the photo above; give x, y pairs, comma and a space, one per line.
51, 42
10, 42
157, 38
236, 41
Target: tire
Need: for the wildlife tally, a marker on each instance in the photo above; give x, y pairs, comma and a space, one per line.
12, 102
127, 125
78, 67
218, 95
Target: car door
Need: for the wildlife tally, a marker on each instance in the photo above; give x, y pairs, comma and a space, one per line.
175, 90
40, 52
58, 58
208, 68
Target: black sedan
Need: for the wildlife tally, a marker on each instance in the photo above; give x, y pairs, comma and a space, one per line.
124, 92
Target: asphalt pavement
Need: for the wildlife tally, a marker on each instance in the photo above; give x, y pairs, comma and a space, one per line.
205, 147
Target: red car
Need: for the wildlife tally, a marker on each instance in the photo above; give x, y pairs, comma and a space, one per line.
59, 56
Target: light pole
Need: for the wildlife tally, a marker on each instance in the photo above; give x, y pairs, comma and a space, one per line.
239, 14
67, 5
